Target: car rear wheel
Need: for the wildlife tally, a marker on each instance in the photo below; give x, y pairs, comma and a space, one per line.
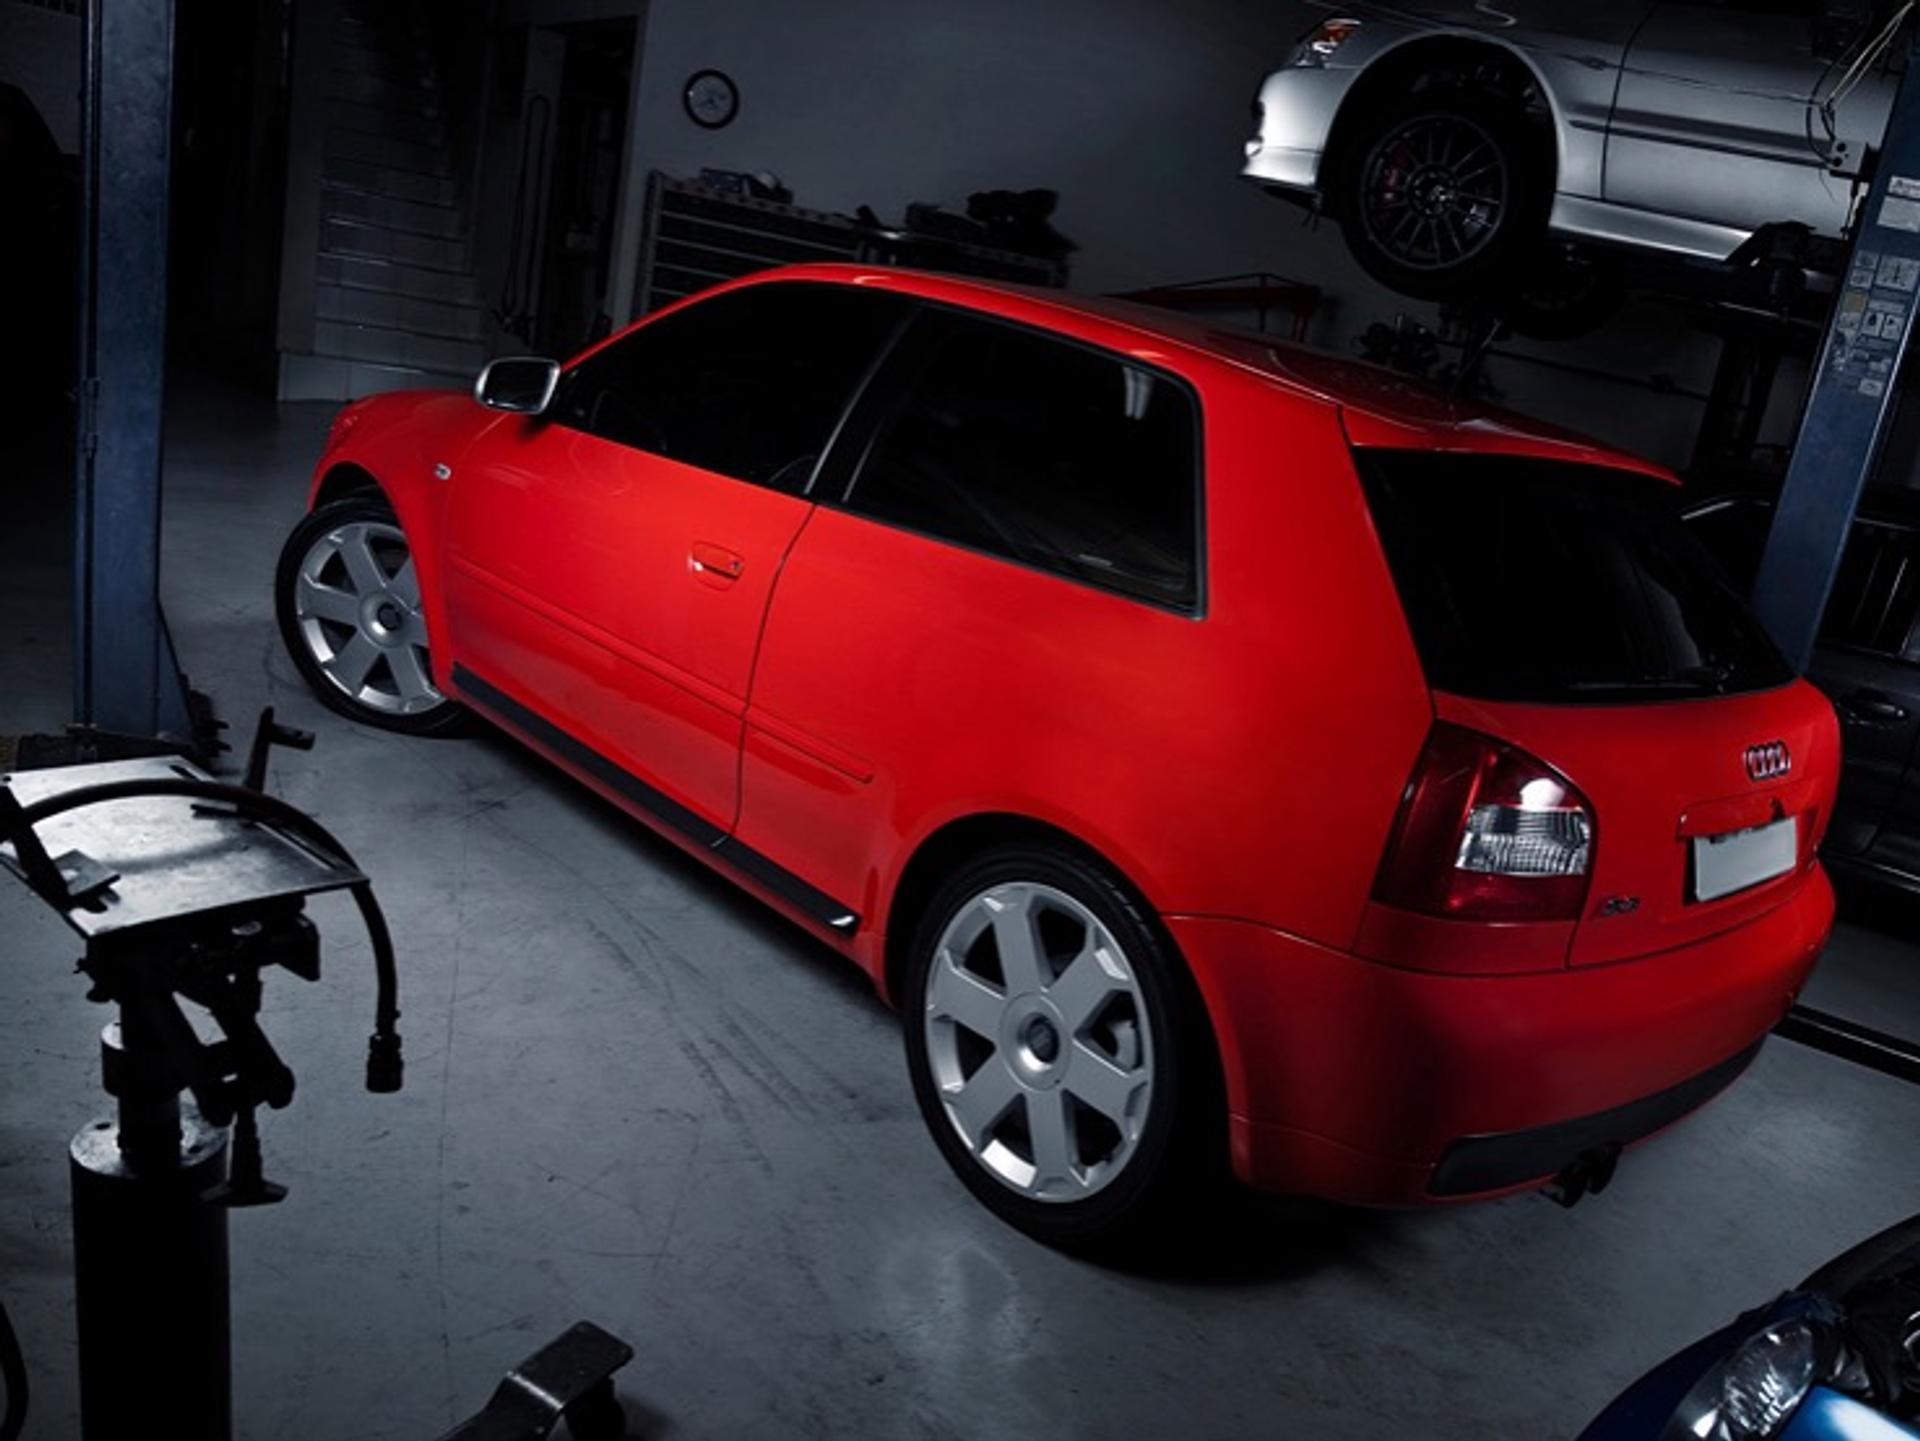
348, 601
1438, 192
1058, 1051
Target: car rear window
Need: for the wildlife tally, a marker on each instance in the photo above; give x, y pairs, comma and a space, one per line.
1548, 581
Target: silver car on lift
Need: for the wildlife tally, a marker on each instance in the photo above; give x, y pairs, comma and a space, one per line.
1449, 138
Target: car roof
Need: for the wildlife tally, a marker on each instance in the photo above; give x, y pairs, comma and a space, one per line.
1379, 407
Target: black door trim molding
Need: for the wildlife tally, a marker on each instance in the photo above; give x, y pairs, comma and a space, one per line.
814, 903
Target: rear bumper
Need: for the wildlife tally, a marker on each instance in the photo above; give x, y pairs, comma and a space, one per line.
1355, 1081
1474, 1165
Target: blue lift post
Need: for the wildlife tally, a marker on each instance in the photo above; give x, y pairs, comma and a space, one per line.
127, 683
1850, 402
1850, 406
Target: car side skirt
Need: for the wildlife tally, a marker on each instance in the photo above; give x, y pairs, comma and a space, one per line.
815, 904
1639, 229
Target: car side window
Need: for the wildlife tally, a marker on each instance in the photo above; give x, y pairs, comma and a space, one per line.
749, 383
1876, 596
1050, 453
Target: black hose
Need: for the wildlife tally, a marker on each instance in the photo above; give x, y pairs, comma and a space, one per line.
384, 1066
13, 1369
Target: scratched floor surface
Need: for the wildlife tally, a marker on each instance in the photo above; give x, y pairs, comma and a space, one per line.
635, 1096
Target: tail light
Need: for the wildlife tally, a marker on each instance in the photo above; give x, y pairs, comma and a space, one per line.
1486, 832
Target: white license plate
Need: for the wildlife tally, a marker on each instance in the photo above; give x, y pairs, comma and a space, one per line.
1729, 863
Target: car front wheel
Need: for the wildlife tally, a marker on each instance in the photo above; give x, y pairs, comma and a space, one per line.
1058, 1051
348, 600
1439, 192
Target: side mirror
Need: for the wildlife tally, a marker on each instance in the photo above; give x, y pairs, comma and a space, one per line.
520, 383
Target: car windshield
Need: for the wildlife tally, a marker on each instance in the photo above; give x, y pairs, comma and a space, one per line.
1548, 581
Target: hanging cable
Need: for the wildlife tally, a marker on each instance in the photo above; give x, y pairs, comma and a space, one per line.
1856, 72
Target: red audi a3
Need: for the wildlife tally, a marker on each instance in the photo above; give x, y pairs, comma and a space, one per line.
1213, 748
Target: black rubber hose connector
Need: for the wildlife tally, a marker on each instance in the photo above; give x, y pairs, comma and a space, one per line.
385, 1068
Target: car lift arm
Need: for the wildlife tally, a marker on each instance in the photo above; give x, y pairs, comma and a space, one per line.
1851, 400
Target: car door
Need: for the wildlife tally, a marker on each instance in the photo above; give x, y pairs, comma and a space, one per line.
1726, 114
1868, 663
1020, 550
611, 560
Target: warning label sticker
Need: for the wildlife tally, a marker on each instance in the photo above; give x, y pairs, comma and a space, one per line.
1907, 187
1898, 214
1898, 272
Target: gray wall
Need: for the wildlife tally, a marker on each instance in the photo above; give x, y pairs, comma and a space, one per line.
40, 52
1135, 110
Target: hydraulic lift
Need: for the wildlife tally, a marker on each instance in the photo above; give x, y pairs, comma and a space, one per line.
129, 696
1849, 409
184, 888
1855, 385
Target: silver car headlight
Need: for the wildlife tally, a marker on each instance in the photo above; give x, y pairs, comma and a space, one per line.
1319, 44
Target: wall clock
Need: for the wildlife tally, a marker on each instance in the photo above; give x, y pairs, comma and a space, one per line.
711, 98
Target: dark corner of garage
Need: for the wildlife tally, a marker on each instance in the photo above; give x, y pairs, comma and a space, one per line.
909, 719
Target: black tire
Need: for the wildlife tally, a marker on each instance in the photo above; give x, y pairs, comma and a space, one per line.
1179, 1155
428, 713
1440, 191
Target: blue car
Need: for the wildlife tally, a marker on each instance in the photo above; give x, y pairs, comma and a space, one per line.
1836, 1359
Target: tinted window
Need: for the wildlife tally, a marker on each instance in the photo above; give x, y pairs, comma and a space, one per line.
1876, 596
1046, 452
1735, 530
749, 383
1543, 581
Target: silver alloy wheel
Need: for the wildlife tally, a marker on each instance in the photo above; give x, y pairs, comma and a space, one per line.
357, 600
1037, 1040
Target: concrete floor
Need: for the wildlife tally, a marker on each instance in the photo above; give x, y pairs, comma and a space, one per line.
635, 1096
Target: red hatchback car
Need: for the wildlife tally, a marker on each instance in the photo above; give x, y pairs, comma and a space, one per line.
1212, 747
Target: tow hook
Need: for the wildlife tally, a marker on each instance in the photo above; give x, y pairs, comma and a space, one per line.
1587, 1176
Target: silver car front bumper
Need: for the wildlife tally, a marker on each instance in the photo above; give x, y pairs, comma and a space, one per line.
1295, 112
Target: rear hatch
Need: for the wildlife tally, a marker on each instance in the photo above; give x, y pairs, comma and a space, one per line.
1563, 608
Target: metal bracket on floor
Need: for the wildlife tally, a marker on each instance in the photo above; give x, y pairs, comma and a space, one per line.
1864, 1046
569, 1379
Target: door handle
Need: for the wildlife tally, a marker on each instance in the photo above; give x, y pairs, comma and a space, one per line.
1870, 707
714, 564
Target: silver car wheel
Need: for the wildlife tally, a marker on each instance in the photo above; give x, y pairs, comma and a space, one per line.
1038, 1042
357, 601
1434, 193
